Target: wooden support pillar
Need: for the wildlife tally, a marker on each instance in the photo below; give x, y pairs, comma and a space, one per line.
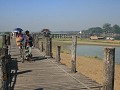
33, 35
41, 47
37, 42
58, 54
74, 43
4, 41
38, 46
34, 40
1, 72
8, 40
109, 65
48, 46
3, 69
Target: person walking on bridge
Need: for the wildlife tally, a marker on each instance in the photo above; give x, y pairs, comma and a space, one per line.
19, 36
27, 44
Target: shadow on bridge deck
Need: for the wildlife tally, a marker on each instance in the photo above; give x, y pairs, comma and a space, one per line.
13, 71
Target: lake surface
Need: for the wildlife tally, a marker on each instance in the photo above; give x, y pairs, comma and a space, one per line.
96, 51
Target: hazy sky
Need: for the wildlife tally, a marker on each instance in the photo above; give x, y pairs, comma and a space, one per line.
58, 15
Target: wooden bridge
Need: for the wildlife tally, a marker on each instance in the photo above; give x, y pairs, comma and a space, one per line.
44, 73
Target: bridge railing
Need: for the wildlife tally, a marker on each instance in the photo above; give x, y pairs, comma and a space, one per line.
42, 43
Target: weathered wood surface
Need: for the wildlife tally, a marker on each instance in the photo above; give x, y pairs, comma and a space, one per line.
109, 68
45, 74
74, 44
58, 54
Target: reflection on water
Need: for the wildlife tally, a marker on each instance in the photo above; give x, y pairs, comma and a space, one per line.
95, 51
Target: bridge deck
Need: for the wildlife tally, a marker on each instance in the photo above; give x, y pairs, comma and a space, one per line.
45, 74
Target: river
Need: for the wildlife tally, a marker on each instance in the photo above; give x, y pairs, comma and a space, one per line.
96, 51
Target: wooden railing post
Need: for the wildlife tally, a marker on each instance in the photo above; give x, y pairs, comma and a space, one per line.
41, 47
58, 54
48, 46
4, 62
35, 40
1, 72
4, 41
109, 65
38, 46
3, 69
33, 35
74, 43
8, 40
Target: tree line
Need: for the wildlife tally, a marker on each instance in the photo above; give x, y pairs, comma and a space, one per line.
106, 29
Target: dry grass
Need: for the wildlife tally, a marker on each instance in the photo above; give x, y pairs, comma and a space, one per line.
91, 67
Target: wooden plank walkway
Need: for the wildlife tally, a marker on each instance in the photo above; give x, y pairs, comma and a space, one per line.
45, 74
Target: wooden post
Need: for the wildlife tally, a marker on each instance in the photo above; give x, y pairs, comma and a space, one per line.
48, 46
3, 69
38, 46
35, 40
74, 43
51, 54
8, 40
33, 35
109, 65
1, 76
1, 72
4, 41
58, 54
41, 47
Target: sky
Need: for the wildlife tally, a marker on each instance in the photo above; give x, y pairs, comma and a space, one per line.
58, 15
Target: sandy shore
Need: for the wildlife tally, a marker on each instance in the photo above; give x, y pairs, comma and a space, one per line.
91, 67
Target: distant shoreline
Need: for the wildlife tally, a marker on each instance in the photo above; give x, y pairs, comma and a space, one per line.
99, 44
92, 43
64, 43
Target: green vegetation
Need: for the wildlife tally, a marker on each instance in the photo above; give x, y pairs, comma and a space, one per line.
107, 28
106, 31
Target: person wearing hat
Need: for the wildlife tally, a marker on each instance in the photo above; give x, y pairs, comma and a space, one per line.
19, 36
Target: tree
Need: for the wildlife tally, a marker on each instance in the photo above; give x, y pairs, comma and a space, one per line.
96, 30
116, 29
93, 31
107, 28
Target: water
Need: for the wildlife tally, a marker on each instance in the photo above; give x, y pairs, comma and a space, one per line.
96, 51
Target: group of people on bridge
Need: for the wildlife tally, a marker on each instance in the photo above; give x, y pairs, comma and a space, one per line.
24, 41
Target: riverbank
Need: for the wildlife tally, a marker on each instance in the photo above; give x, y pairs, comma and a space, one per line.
112, 43
89, 66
